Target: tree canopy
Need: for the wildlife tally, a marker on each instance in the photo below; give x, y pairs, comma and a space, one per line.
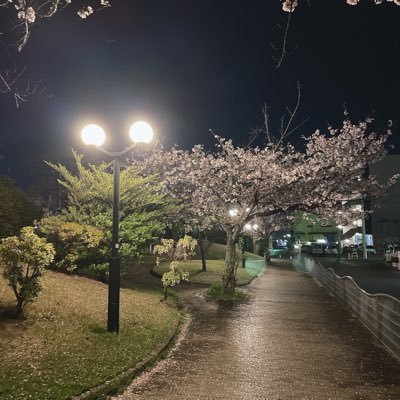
235, 185
144, 211
16, 210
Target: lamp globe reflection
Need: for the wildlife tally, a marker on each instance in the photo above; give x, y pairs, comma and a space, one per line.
141, 132
93, 135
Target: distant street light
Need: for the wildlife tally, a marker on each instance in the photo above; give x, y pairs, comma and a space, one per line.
140, 132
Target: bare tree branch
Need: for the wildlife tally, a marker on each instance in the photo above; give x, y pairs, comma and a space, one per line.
287, 126
28, 12
14, 83
283, 50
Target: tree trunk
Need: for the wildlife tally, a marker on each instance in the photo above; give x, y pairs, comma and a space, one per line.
203, 256
229, 277
267, 253
20, 305
20, 300
256, 246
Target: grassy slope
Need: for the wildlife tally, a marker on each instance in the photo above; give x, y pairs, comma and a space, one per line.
61, 348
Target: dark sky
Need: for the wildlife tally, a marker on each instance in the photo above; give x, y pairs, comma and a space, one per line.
188, 66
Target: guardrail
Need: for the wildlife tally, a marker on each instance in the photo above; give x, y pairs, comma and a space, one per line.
380, 313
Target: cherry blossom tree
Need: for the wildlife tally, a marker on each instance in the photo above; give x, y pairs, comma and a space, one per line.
21, 17
234, 185
290, 5
29, 12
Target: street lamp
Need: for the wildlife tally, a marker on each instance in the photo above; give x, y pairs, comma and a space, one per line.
139, 132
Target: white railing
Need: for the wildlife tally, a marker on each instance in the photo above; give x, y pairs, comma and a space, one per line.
380, 313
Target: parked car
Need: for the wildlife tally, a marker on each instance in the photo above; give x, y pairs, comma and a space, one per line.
332, 249
317, 249
351, 248
280, 251
370, 249
391, 253
305, 248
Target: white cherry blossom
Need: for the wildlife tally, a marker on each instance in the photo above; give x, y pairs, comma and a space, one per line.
234, 185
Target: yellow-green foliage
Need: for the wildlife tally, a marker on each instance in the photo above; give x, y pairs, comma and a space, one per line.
62, 347
71, 240
183, 249
144, 211
174, 276
23, 260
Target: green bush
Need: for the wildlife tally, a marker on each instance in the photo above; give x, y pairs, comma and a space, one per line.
216, 292
23, 260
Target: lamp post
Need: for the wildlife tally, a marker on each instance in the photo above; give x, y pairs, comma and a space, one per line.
140, 132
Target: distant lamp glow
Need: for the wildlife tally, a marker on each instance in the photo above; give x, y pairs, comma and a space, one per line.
93, 135
141, 132
233, 212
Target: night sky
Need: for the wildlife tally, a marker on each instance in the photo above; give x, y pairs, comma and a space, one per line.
188, 66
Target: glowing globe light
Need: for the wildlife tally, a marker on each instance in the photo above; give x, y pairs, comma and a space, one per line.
93, 135
141, 132
233, 212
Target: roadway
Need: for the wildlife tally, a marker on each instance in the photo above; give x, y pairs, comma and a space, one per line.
372, 275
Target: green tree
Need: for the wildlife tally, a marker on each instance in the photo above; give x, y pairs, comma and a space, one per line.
144, 211
16, 210
23, 259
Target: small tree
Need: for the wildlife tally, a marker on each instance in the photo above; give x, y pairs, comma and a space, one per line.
23, 260
183, 249
173, 277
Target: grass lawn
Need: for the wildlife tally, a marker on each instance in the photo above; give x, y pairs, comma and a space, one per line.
215, 267
215, 270
62, 348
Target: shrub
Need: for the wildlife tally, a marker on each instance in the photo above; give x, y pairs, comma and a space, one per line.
173, 277
23, 260
216, 292
184, 248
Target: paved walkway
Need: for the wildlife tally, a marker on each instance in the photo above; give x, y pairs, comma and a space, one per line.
290, 341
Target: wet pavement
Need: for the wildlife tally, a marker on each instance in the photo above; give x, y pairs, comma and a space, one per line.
290, 340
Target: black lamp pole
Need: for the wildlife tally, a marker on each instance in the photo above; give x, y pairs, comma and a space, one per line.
92, 134
115, 262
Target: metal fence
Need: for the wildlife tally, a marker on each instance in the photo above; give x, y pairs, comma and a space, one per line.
380, 313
